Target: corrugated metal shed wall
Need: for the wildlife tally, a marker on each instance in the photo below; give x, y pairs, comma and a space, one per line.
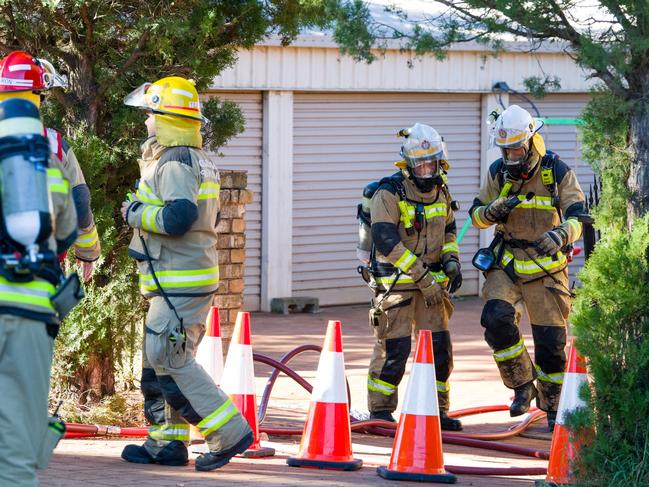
344, 141
564, 140
243, 152
318, 68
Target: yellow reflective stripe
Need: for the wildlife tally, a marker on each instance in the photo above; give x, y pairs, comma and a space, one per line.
148, 218
179, 279
87, 239
406, 260
510, 140
507, 258
146, 195
443, 386
450, 247
170, 432
576, 228
380, 386
477, 220
511, 352
218, 418
56, 182
208, 191
439, 276
538, 203
556, 378
437, 209
406, 279
35, 293
407, 213
529, 267
387, 280
426, 152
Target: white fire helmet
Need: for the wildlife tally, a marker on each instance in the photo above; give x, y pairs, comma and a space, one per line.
513, 128
423, 150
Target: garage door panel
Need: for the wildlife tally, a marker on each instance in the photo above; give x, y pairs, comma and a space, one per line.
341, 143
243, 152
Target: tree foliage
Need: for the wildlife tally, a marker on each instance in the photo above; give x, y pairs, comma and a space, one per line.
107, 48
610, 40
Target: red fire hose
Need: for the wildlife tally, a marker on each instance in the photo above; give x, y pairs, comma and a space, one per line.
490, 441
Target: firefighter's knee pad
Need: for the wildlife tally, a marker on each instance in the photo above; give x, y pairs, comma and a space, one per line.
397, 351
499, 321
549, 348
443, 351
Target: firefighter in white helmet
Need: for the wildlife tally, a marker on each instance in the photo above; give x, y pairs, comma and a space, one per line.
415, 261
174, 215
534, 199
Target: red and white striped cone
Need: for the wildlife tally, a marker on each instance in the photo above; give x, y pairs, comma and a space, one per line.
327, 437
566, 442
210, 351
239, 382
417, 450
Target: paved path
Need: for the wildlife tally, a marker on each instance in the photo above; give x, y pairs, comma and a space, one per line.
475, 382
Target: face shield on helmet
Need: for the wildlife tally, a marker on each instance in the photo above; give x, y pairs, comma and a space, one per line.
424, 150
51, 77
173, 95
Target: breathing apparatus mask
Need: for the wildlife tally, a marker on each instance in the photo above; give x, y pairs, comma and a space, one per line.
24, 196
519, 161
424, 152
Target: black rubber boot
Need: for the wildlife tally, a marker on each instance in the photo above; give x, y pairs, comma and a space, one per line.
214, 460
383, 415
172, 455
523, 396
449, 424
552, 419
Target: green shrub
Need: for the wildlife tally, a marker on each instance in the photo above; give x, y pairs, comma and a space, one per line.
611, 314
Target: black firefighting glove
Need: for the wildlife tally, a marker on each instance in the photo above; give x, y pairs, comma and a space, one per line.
497, 210
452, 269
552, 241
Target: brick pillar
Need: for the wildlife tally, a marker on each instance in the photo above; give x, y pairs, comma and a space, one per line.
231, 247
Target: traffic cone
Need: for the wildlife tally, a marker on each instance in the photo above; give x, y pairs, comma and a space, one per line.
566, 443
239, 382
210, 351
327, 436
417, 449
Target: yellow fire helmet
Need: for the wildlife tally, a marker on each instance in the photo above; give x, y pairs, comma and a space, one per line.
172, 96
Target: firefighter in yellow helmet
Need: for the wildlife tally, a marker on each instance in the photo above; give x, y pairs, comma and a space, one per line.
27, 77
414, 263
534, 199
38, 223
173, 215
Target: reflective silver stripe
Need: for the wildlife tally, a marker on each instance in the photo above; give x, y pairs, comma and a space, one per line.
443, 386
556, 378
218, 418
377, 385
511, 352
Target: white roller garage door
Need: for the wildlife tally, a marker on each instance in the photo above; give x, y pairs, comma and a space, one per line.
243, 152
564, 140
344, 141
